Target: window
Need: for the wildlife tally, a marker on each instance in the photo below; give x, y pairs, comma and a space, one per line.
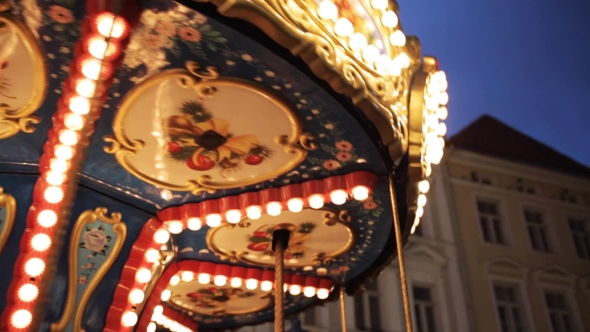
559, 314
509, 309
366, 309
537, 230
490, 221
483, 178
423, 309
581, 235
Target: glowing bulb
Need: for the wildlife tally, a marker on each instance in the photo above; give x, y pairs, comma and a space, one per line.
165, 296
99, 48
442, 113
47, 218
371, 53
64, 152
236, 282
80, 105
58, 165
175, 227
393, 68
419, 212
109, 26
360, 193
161, 236
174, 326
309, 291
403, 60
251, 284
34, 267
187, 276
53, 194
233, 216
285, 288
220, 280
41, 242
421, 200
204, 278
161, 320
379, 4
174, 280
295, 290
443, 98
213, 219
441, 129
358, 41
343, 27
151, 327
152, 255
20, 319
91, 69
316, 201
273, 208
397, 38
431, 104
424, 186
143, 275
136, 296
328, 10
338, 196
55, 178
389, 19
129, 318
28, 292
158, 310
194, 224
440, 143
295, 204
68, 137
323, 293
266, 286
85, 88
254, 212
74, 121
168, 323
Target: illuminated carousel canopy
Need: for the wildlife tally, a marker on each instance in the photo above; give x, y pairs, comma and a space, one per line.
158, 158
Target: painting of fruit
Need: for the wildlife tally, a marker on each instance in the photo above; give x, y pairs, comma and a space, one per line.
261, 239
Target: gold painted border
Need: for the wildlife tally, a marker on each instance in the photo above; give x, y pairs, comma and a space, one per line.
296, 143
7, 201
86, 218
19, 120
331, 217
243, 312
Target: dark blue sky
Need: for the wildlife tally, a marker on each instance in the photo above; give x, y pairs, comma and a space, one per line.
525, 62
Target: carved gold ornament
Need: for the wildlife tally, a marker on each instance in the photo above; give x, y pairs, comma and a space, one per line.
204, 137
83, 273
23, 78
7, 214
362, 52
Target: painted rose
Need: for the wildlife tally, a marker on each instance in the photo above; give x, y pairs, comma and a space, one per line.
189, 34
331, 165
82, 280
369, 205
60, 14
165, 28
95, 240
344, 145
152, 41
343, 156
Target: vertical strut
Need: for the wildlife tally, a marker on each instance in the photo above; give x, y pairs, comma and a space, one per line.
342, 309
279, 251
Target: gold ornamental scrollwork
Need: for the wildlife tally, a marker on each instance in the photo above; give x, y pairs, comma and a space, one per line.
76, 303
205, 82
7, 215
14, 120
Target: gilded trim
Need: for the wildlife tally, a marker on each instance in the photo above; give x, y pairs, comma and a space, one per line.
9, 203
204, 83
16, 120
330, 218
77, 309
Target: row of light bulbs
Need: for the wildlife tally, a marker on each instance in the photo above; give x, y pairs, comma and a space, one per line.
159, 318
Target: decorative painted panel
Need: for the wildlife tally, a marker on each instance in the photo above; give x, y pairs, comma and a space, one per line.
7, 214
94, 245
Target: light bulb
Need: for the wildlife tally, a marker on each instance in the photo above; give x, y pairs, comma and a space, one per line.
129, 318
91, 69
421, 200
309, 291
161, 236
53, 194
161, 320
295, 204
389, 19
158, 310
419, 212
236, 282
85, 87
20, 319
358, 41
175, 227
328, 10
59, 165
441, 129
151, 327
379, 4
424, 186
194, 224
273, 208
371, 53
220, 280
443, 98
64, 152
152, 255
413, 229
174, 327
442, 113
143, 275
254, 212
34, 267
97, 47
295, 290
251, 284
109, 26
79, 105
74, 121
338, 196
28, 292
165, 296
397, 38
416, 221
47, 218
360, 193
266, 285
393, 68
343, 27
316, 201
187, 276
204, 278
431, 104
174, 280
55, 178
68, 137
136, 296
403, 60
323, 293
213, 219
41, 242
233, 216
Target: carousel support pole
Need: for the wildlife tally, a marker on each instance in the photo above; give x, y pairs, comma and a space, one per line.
280, 242
400, 256
342, 309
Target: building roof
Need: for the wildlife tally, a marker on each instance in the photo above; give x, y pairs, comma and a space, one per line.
488, 135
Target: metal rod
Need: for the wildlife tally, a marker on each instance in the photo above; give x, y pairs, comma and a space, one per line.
400, 256
279, 288
342, 309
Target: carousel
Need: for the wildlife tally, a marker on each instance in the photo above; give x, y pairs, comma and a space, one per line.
206, 165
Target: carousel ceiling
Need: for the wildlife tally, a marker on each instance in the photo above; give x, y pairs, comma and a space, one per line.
204, 143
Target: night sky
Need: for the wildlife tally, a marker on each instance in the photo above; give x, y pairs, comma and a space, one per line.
525, 62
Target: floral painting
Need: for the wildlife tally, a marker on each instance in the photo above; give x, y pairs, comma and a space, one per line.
216, 298
95, 240
261, 239
204, 142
